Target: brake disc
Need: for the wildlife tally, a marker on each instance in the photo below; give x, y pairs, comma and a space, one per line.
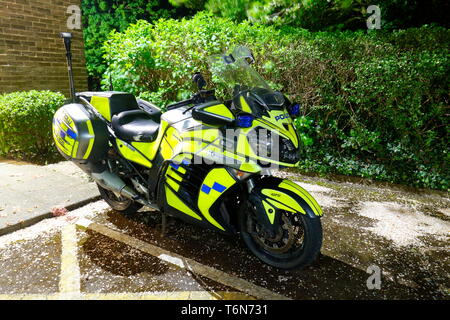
282, 241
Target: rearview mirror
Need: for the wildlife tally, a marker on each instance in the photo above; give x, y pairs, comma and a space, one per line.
243, 53
199, 80
214, 113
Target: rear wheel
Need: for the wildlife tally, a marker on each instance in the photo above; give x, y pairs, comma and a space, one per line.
296, 243
121, 204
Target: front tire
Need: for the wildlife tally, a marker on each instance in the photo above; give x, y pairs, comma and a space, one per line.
295, 245
123, 205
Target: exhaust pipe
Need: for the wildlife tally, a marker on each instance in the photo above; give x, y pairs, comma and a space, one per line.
113, 183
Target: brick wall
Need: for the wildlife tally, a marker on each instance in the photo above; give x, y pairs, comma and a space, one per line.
32, 55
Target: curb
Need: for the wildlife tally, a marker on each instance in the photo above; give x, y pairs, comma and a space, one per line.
38, 218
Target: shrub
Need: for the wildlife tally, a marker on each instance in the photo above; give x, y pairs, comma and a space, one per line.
375, 104
102, 16
159, 59
26, 124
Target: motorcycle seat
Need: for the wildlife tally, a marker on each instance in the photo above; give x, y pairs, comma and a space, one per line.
135, 125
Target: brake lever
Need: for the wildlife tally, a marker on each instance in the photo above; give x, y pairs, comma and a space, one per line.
189, 109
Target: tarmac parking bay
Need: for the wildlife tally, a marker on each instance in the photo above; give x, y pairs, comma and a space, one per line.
96, 253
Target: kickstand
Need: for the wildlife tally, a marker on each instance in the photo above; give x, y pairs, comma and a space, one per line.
163, 224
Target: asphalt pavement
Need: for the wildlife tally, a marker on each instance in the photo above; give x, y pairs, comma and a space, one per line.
30, 193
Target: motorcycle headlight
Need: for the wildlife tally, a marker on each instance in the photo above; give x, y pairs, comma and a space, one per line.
288, 152
268, 144
261, 142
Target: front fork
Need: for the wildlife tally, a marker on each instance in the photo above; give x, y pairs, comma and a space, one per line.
263, 216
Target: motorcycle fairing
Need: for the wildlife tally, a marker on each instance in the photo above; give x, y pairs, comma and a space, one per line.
134, 152
178, 204
216, 183
144, 153
276, 120
180, 133
195, 192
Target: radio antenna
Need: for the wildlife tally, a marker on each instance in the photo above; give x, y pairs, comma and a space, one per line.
67, 36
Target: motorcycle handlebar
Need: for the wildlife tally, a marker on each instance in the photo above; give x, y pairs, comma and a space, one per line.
179, 104
199, 97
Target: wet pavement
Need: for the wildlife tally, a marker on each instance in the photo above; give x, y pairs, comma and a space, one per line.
403, 233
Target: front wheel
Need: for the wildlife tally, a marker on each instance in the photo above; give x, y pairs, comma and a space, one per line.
296, 244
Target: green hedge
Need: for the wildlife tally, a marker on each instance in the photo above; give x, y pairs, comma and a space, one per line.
375, 103
102, 16
26, 124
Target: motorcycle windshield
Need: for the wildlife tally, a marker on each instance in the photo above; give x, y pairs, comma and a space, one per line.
234, 73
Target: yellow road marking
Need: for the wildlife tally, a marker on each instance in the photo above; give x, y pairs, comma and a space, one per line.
69, 283
157, 295
192, 265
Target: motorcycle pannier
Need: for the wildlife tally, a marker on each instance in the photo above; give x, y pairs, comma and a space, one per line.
78, 134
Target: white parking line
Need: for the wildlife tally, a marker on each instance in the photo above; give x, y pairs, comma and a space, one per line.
186, 263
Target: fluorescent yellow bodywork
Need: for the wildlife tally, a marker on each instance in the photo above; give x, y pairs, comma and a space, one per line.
270, 211
91, 141
220, 110
283, 198
61, 125
278, 125
175, 202
292, 186
206, 200
150, 149
131, 153
173, 184
173, 174
102, 106
279, 205
244, 105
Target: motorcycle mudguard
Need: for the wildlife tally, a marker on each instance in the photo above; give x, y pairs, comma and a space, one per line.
273, 195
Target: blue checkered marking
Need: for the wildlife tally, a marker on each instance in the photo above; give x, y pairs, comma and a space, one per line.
175, 166
206, 189
71, 133
216, 186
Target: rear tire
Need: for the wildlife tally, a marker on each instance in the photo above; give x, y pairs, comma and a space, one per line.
295, 246
123, 205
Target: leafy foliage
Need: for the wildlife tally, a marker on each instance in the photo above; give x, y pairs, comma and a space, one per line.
158, 59
321, 15
375, 104
233, 9
191, 4
26, 123
100, 17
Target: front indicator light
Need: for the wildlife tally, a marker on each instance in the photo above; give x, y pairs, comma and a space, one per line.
294, 110
244, 121
241, 175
